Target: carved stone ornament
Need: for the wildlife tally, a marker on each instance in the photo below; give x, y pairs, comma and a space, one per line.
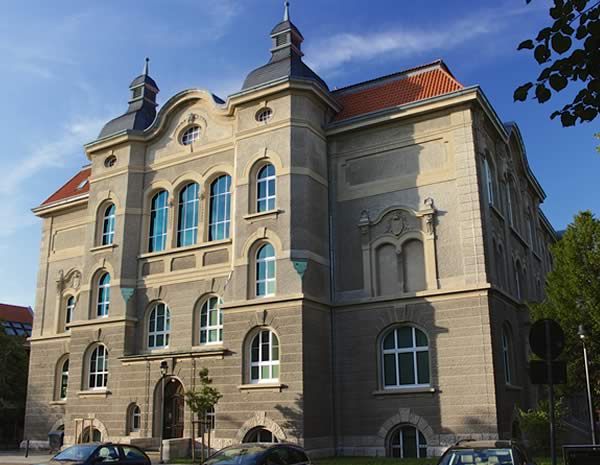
191, 118
300, 266
396, 224
60, 281
364, 222
76, 280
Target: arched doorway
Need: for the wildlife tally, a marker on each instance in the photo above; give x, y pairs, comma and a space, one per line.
173, 409
95, 436
260, 434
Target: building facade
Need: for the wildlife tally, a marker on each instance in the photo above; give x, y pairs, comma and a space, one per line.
351, 266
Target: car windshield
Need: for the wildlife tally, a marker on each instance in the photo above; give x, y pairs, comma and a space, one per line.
236, 456
76, 453
478, 457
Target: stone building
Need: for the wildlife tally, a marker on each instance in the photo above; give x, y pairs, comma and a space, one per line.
351, 266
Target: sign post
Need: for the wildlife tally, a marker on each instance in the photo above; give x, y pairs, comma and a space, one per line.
547, 341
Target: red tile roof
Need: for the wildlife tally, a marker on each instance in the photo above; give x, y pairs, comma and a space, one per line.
71, 188
16, 313
408, 86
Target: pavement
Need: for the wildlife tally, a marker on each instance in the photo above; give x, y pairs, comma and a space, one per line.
17, 457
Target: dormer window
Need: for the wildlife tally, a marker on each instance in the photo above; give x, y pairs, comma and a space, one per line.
190, 135
280, 40
82, 184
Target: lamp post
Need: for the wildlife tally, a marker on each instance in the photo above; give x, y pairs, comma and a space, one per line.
164, 369
583, 335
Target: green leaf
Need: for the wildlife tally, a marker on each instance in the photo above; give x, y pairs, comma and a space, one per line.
558, 82
561, 43
542, 93
541, 53
521, 92
528, 44
567, 119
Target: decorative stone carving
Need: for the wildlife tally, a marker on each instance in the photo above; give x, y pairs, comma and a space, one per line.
364, 222
60, 281
127, 293
396, 224
300, 266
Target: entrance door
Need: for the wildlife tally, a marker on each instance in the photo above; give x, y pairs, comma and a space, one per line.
173, 410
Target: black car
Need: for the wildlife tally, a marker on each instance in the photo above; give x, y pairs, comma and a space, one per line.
486, 453
260, 454
94, 453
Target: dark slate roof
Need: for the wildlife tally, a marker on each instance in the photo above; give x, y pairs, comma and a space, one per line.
134, 119
290, 66
284, 26
143, 79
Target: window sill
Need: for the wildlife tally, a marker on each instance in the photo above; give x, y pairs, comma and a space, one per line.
185, 249
275, 387
252, 217
93, 393
512, 387
103, 248
58, 402
405, 391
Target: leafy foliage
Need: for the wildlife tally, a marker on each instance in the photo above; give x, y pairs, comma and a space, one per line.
14, 361
570, 51
535, 424
573, 297
206, 397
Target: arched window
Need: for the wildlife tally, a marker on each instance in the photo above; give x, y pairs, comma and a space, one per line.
405, 358
63, 379
500, 269
220, 205
407, 442
95, 436
264, 358
187, 224
159, 217
69, 309
103, 295
98, 368
489, 180
507, 354
260, 435
134, 418
519, 280
159, 327
265, 189
211, 321
265, 271
108, 225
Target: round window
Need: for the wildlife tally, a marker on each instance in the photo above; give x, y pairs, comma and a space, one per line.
264, 115
190, 135
110, 161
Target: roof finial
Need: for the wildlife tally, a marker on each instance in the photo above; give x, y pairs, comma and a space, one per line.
286, 11
146, 66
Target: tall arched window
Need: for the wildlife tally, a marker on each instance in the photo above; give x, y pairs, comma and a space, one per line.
159, 217
159, 327
211, 321
407, 442
103, 295
405, 358
98, 368
134, 418
69, 309
220, 206
108, 225
264, 358
187, 225
489, 180
265, 271
265, 189
507, 354
63, 379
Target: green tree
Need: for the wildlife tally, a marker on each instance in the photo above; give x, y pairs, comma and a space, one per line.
201, 400
569, 50
573, 297
14, 361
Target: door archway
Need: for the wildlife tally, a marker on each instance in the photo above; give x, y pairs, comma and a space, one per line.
173, 409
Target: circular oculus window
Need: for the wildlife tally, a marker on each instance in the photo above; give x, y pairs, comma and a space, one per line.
263, 115
110, 161
190, 135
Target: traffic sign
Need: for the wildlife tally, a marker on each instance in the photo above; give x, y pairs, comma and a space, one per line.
538, 372
546, 339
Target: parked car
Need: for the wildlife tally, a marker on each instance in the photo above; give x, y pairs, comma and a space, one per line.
260, 454
486, 453
95, 453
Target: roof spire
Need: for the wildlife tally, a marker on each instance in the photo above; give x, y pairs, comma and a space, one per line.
286, 11
145, 73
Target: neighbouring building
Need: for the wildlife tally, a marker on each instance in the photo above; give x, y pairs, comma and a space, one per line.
351, 265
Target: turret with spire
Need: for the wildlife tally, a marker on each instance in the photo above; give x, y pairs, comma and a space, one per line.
142, 106
286, 57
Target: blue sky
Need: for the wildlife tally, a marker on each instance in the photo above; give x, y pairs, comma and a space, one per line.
66, 66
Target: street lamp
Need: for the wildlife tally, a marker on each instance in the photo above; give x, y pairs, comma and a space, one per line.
583, 335
164, 369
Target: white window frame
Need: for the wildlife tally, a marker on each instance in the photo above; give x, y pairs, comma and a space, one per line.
269, 196
396, 351
152, 235
399, 430
165, 332
70, 309
264, 115
267, 279
135, 416
488, 181
99, 375
191, 135
507, 355
63, 375
103, 298
214, 220
183, 206
270, 362
108, 225
209, 308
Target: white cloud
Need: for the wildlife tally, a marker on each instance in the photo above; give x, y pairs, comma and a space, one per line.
330, 53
